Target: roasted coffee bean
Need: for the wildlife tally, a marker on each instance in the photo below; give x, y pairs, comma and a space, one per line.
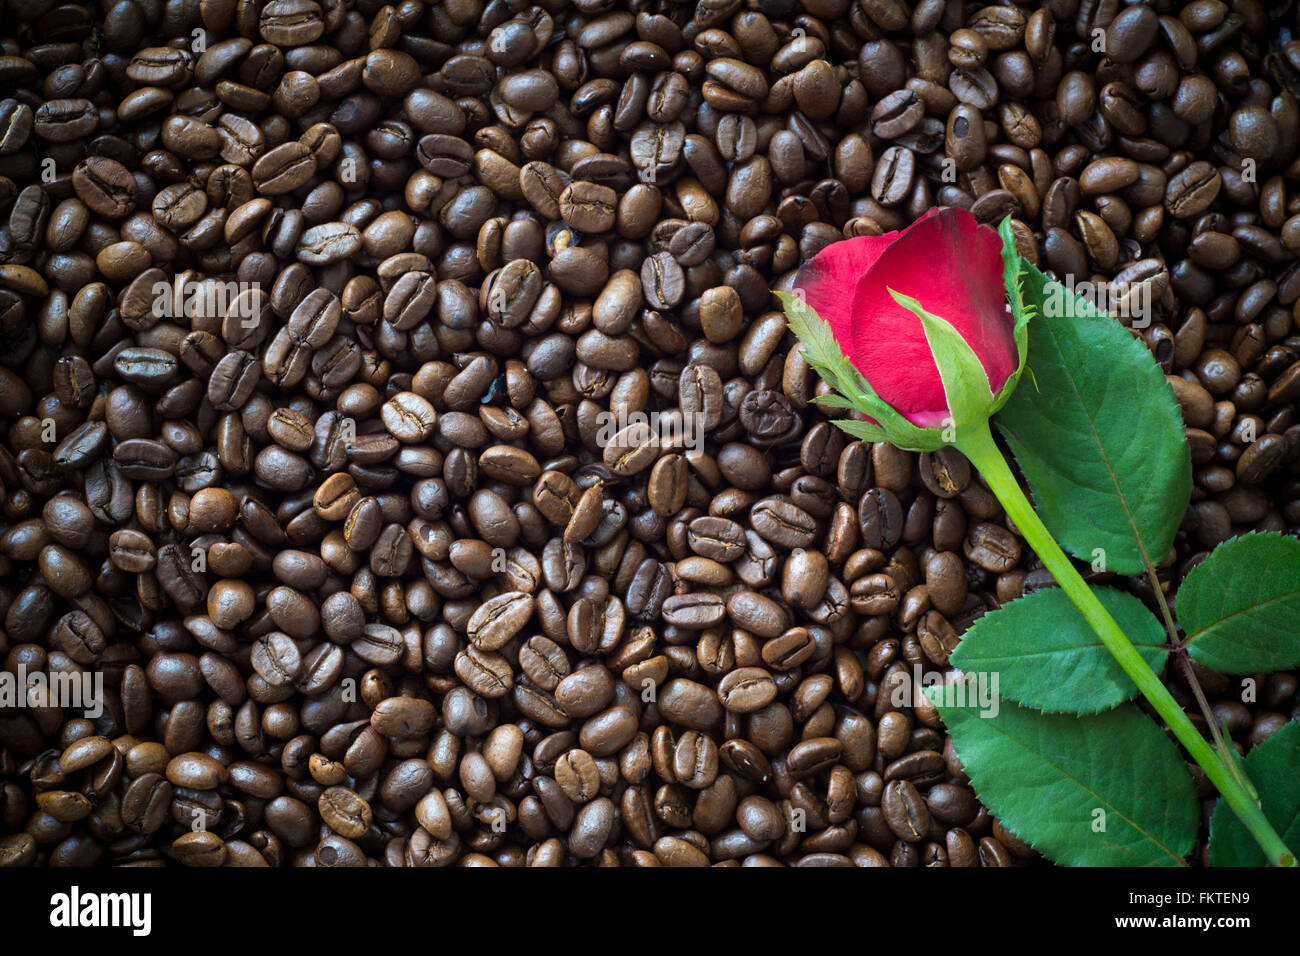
663, 281
588, 206
905, 812
486, 673
881, 519
694, 612
718, 538
690, 704
409, 418
1190, 192
757, 614
315, 318
992, 547
746, 689
513, 293
701, 396
105, 186
783, 524
65, 120
498, 620
894, 175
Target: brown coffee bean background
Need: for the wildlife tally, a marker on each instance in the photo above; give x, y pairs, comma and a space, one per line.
338, 519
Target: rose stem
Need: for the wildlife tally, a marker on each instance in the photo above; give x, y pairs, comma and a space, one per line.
976, 443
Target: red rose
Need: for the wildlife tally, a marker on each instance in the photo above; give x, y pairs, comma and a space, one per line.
953, 267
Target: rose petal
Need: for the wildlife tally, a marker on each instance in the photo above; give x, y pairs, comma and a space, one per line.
829, 279
972, 294
932, 211
953, 267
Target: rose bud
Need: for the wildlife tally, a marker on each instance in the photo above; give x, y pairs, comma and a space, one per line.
913, 328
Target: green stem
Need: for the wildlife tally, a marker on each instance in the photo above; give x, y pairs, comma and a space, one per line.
975, 441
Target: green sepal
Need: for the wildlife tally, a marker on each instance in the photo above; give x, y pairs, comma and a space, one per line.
855, 427
862, 430
833, 400
826, 357
965, 383
1013, 273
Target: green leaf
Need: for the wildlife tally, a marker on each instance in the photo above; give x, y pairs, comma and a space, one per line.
1101, 442
965, 383
1274, 769
1049, 658
1056, 781
1240, 607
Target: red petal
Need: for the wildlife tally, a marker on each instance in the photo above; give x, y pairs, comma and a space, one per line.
932, 211
953, 267
829, 279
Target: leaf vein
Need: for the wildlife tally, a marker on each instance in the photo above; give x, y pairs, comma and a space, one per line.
1152, 838
1090, 791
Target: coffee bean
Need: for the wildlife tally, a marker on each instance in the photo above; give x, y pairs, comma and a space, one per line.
700, 395
587, 206
767, 416
291, 22
905, 811
783, 523
746, 689
513, 293
65, 120
689, 704
881, 518
694, 612
486, 673
1191, 191
758, 614
409, 418
992, 547
631, 450
105, 186
327, 243
315, 318
663, 281
498, 620
894, 175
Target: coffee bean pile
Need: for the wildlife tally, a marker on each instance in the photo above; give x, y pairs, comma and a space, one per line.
396, 417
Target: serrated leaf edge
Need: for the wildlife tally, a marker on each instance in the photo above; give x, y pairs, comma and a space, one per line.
1032, 705
973, 773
